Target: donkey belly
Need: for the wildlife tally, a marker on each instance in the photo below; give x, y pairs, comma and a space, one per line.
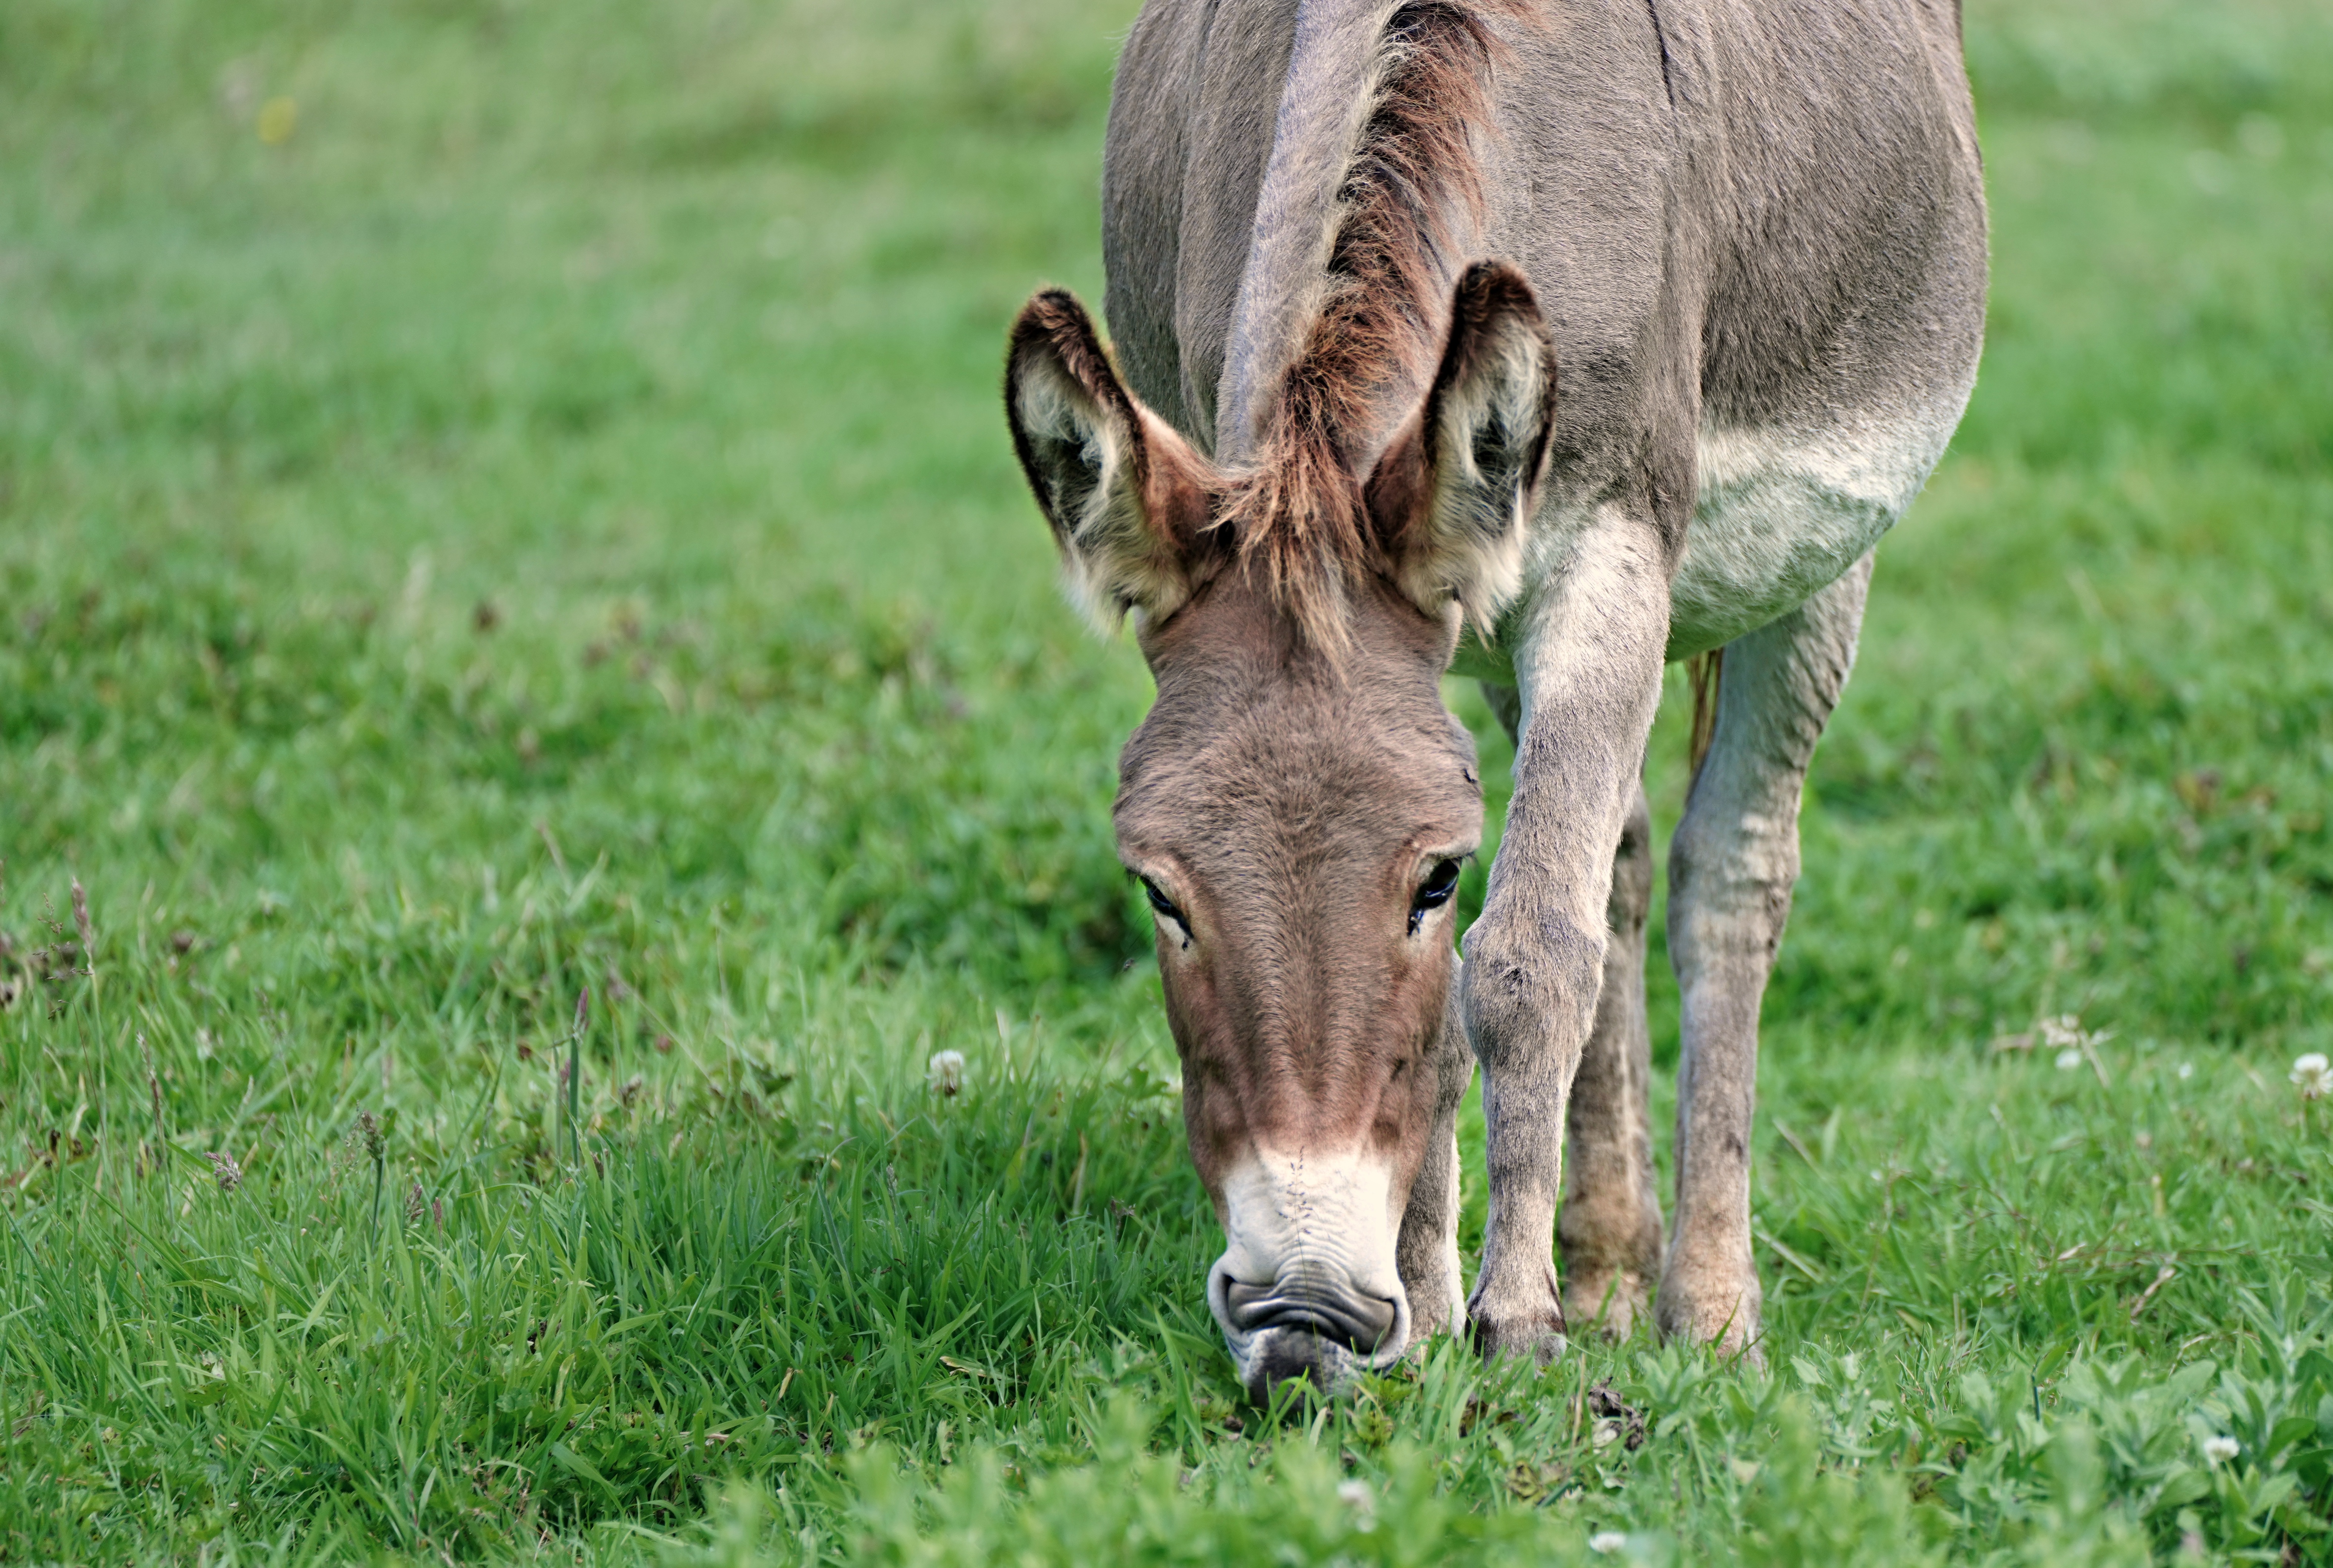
1780, 513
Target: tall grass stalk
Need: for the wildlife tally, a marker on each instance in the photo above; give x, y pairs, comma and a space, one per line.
575, 1077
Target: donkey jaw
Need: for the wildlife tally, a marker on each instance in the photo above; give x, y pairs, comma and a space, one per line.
1308, 1285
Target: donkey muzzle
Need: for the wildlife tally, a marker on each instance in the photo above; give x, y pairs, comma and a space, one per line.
1307, 1286
1310, 1331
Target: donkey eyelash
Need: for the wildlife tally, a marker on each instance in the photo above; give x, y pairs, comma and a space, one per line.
1164, 907
1440, 886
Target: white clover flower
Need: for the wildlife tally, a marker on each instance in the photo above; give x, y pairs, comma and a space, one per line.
2074, 1044
2186, 1071
2313, 1076
2220, 1450
2065, 1029
1605, 1541
1355, 1494
947, 1073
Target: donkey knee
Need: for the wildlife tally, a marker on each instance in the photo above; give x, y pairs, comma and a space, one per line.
1529, 991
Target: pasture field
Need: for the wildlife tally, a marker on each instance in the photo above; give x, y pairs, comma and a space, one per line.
501, 498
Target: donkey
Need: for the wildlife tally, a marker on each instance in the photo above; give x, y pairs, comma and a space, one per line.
1353, 247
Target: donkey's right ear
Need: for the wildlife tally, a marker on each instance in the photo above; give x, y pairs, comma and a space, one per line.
1127, 497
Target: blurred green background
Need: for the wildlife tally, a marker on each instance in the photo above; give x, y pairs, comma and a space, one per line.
503, 497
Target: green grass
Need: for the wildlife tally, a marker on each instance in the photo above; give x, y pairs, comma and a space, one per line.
544, 524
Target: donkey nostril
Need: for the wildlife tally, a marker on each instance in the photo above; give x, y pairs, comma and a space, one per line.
1240, 1298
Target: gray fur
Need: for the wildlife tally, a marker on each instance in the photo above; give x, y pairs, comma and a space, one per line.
1610, 1225
1755, 229
1732, 866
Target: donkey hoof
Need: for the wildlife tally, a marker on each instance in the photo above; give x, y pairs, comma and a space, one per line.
1541, 1339
1535, 1332
1726, 1320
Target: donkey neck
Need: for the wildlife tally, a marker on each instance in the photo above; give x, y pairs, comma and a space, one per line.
1324, 104
1338, 167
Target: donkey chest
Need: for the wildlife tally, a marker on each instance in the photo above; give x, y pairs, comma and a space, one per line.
1779, 514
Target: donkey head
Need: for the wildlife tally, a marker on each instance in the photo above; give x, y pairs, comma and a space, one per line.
1298, 802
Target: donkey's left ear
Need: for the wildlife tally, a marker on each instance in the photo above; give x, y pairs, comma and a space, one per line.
1451, 498
1127, 497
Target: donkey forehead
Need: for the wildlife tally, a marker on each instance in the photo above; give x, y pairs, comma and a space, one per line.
1313, 771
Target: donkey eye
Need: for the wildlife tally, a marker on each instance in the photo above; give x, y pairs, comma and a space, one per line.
1432, 892
1163, 906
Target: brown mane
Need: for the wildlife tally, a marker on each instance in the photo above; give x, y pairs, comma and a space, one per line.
1298, 514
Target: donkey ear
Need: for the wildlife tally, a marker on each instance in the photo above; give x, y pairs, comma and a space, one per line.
1126, 495
1452, 496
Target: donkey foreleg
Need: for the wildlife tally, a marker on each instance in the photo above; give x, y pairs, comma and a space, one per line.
1731, 866
1588, 670
1426, 1252
1610, 1225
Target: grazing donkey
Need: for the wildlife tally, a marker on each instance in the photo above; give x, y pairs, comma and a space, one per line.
1330, 458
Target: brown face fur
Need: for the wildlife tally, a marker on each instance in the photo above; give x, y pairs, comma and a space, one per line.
1291, 807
